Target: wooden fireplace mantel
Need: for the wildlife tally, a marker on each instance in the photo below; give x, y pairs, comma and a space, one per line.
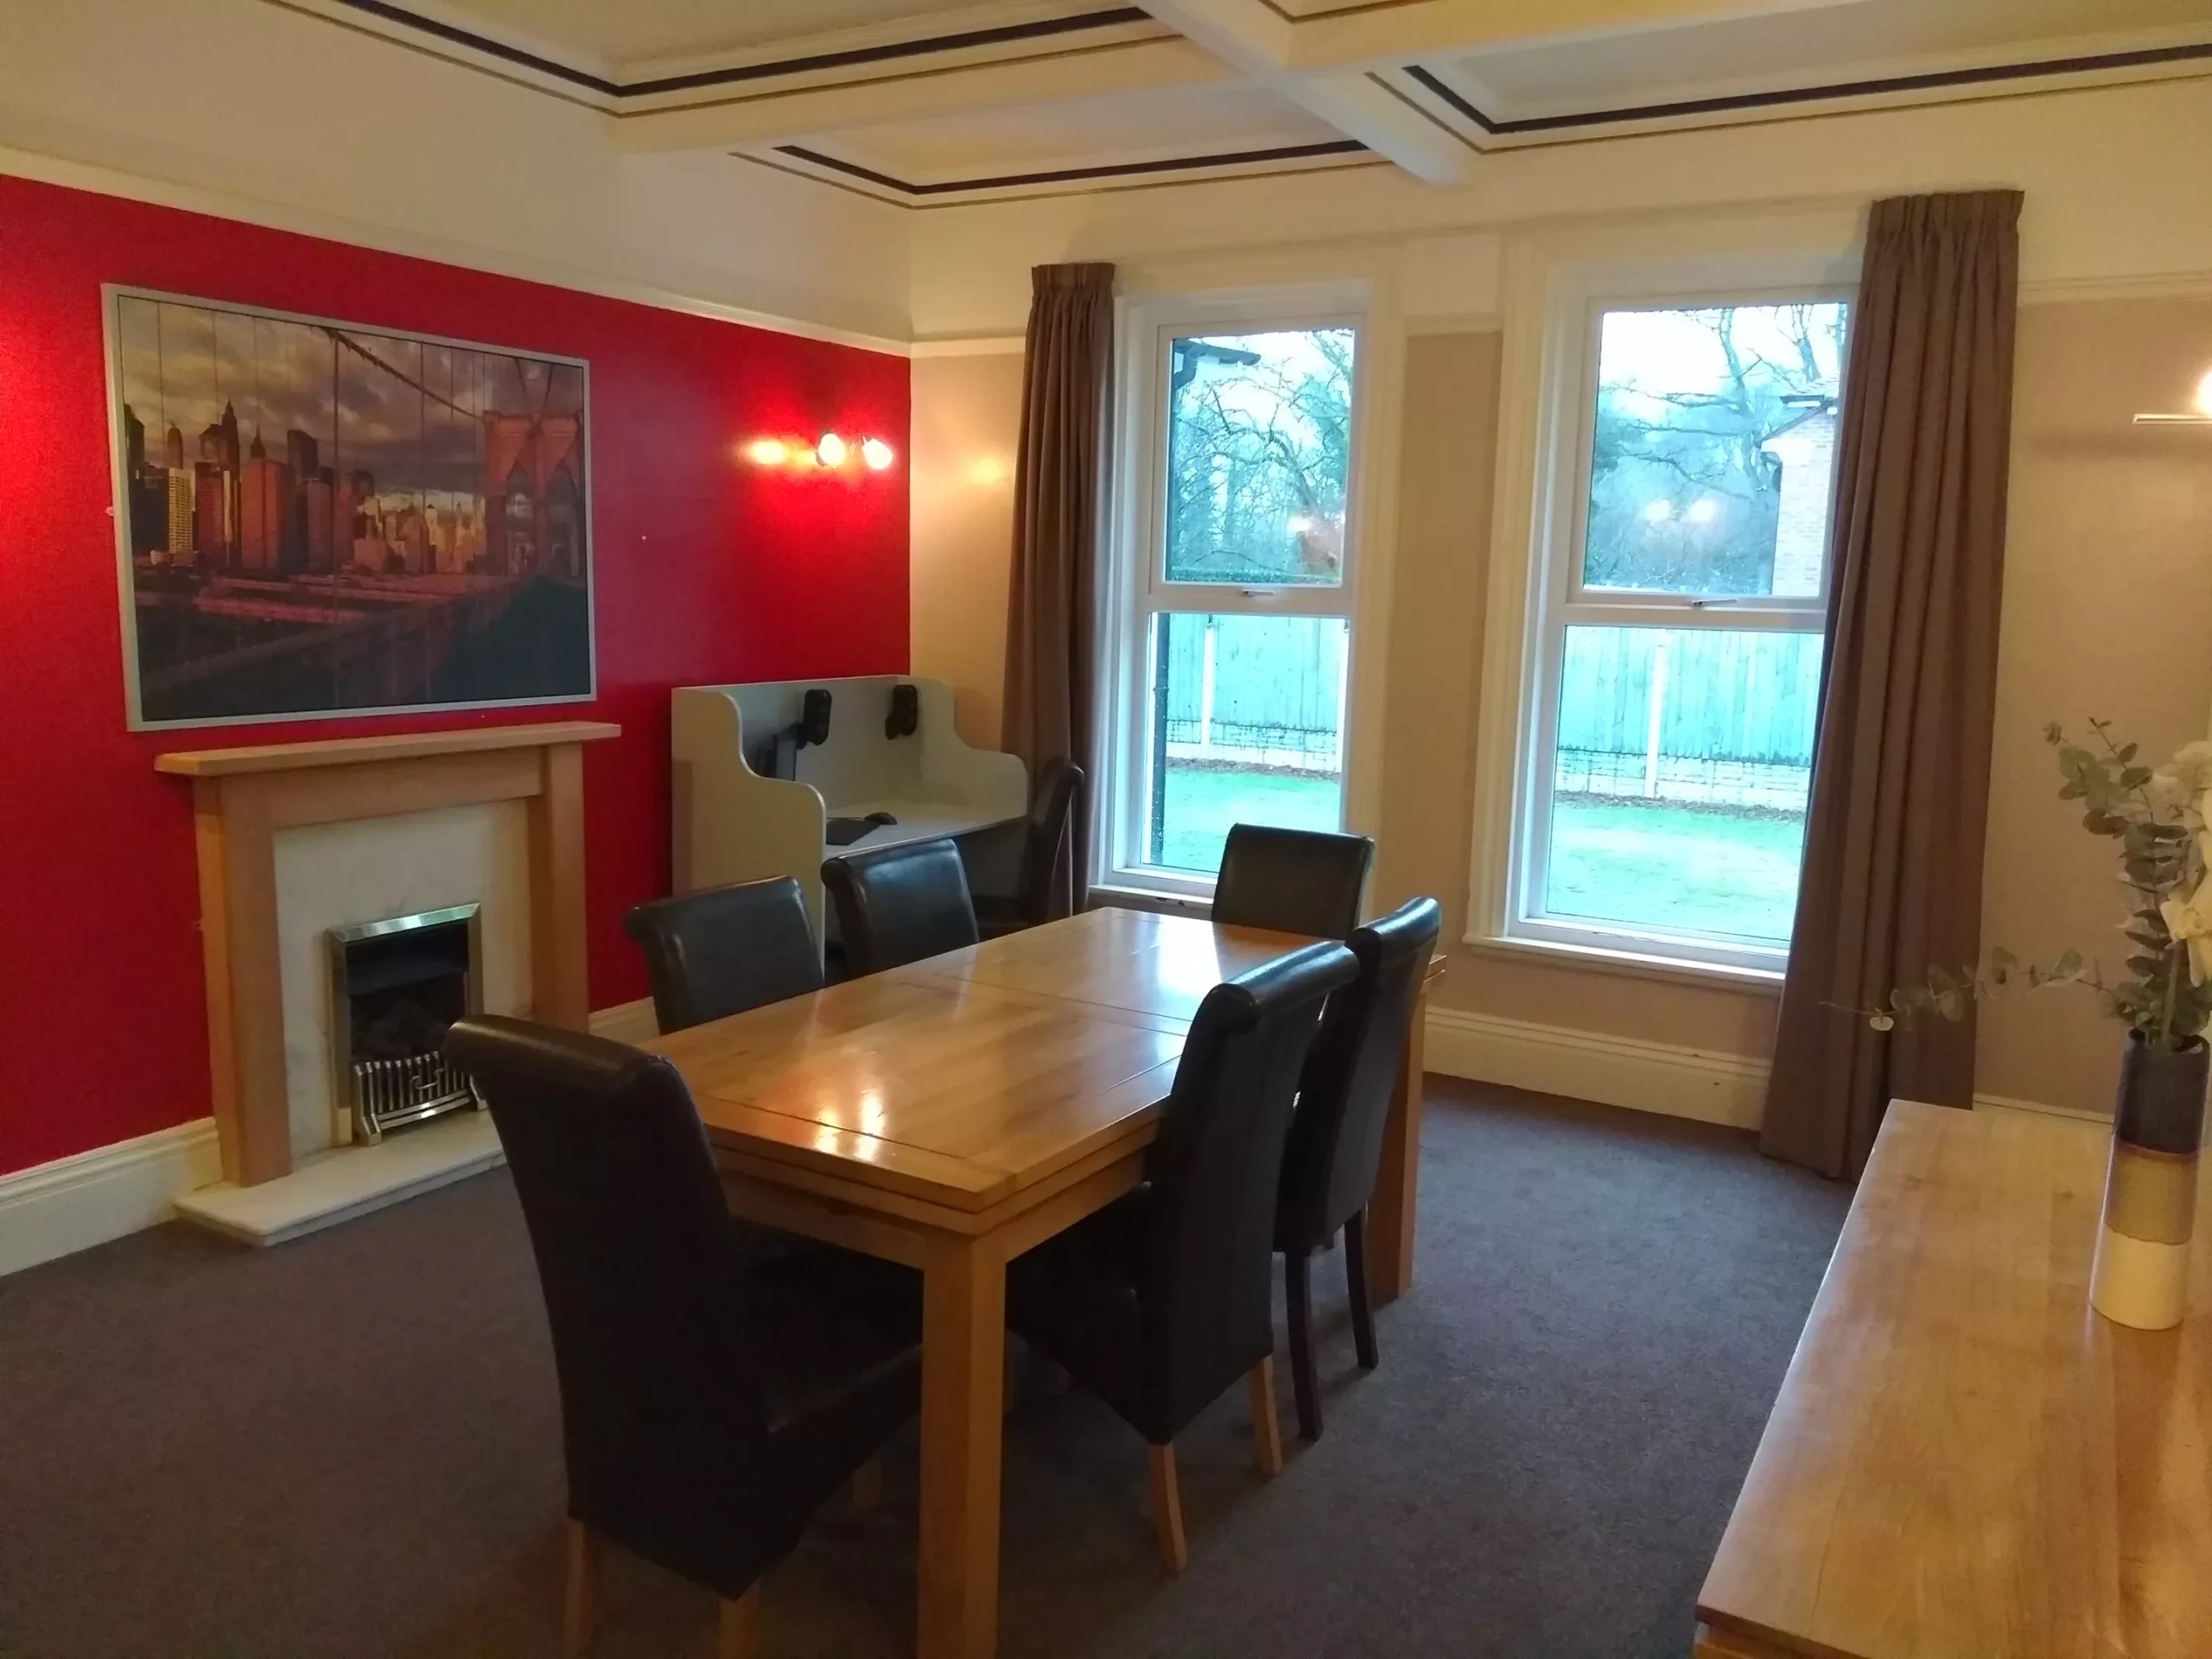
242, 796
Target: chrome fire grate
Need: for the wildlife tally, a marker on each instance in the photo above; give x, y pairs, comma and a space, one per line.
396, 987
387, 1093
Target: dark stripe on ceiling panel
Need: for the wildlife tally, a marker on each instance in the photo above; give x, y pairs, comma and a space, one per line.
499, 50
1007, 33
1075, 174
1935, 80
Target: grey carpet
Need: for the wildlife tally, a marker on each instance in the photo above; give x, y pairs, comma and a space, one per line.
349, 1445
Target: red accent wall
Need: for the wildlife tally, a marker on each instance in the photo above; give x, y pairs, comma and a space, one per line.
707, 568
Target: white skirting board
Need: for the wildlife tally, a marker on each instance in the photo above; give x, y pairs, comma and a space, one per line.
72, 1204
1663, 1077
1675, 1082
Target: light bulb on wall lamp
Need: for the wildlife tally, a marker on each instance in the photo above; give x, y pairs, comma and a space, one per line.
877, 454
1658, 512
1703, 511
767, 452
830, 450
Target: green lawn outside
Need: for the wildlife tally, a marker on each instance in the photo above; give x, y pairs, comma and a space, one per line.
1652, 864
1202, 803
1646, 863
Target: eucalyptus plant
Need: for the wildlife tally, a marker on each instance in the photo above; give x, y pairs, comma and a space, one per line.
2158, 815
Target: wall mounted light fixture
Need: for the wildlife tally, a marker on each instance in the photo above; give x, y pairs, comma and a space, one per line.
829, 453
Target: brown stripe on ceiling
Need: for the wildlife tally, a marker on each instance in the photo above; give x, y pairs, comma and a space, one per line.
1933, 81
1001, 34
800, 93
1075, 174
1352, 9
1422, 110
775, 163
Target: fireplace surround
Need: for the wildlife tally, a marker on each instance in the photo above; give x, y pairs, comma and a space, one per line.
244, 797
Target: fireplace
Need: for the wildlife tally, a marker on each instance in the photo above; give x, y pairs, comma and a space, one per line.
395, 986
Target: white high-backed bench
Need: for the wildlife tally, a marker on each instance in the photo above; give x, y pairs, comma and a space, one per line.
732, 824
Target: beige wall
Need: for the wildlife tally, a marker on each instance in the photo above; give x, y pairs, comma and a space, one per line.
2108, 611
967, 418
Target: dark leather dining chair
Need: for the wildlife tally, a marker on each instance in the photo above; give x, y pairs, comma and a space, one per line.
710, 1400
712, 954
1161, 1301
1335, 1151
1047, 857
899, 904
1293, 880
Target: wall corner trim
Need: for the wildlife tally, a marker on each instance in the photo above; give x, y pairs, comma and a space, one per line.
969, 346
1675, 1082
57, 1209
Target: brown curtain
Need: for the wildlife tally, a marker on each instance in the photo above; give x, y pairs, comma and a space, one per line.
1051, 655
1900, 797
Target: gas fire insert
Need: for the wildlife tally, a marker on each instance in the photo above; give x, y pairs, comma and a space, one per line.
395, 987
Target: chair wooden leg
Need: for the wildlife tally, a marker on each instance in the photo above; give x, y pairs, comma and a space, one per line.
1267, 1428
576, 1600
737, 1632
1167, 1510
1363, 1305
867, 1484
1298, 1296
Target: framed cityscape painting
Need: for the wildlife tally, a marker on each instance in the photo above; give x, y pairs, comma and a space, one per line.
314, 517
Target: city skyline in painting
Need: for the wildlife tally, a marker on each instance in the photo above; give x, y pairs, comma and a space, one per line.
318, 516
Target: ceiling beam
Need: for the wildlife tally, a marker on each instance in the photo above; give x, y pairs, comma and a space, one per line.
1256, 40
1323, 62
765, 115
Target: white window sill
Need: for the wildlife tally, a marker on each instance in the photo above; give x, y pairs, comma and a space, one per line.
1632, 964
1167, 904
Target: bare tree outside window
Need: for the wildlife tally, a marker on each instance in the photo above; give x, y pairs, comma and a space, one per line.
1258, 443
1711, 426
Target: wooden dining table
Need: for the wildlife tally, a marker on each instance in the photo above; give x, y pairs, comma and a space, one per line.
1965, 1461
954, 1113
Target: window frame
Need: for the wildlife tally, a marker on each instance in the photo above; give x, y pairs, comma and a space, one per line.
1134, 583
1511, 858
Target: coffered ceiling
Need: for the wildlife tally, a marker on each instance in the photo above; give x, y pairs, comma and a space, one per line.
927, 104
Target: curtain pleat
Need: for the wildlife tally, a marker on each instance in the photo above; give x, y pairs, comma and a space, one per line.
1052, 645
1900, 793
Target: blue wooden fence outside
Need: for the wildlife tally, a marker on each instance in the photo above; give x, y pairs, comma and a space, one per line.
1745, 697
1277, 681
1742, 697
